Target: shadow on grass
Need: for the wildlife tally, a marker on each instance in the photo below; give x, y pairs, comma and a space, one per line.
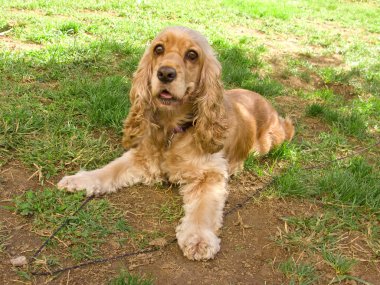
63, 103
241, 69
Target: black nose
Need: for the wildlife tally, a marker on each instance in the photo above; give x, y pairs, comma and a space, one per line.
166, 74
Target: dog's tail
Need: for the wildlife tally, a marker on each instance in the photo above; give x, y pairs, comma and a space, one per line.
288, 127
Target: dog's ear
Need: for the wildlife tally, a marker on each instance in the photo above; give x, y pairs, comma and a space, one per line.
137, 124
210, 127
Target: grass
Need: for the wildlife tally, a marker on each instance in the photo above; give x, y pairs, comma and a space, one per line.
65, 74
350, 195
87, 231
126, 278
171, 211
341, 264
355, 184
301, 273
349, 123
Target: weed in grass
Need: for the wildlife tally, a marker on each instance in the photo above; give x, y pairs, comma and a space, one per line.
171, 211
4, 26
298, 273
340, 263
298, 68
24, 275
314, 110
122, 226
126, 278
70, 28
251, 162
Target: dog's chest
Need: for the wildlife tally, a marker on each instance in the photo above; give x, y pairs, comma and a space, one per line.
179, 158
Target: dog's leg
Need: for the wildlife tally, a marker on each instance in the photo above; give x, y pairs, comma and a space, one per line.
123, 171
203, 204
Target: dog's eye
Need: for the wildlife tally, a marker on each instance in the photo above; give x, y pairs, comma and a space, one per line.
191, 55
159, 49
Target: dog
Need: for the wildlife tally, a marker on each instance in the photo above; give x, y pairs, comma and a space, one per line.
183, 127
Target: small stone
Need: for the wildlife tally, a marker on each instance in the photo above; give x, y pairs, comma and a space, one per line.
19, 261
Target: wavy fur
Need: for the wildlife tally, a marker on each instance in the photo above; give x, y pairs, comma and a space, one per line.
228, 125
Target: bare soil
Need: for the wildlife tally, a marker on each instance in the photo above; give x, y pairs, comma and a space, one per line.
247, 238
249, 253
12, 44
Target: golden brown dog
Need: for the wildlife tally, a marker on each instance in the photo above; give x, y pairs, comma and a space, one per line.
185, 128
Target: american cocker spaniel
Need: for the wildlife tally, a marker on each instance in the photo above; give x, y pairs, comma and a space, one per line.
185, 128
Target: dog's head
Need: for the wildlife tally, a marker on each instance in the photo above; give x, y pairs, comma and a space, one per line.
179, 68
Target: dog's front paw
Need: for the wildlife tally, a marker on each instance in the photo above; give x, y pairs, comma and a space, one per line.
84, 180
198, 245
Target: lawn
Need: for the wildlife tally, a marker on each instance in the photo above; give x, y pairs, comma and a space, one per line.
65, 73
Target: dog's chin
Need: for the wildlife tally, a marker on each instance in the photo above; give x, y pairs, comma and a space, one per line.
168, 100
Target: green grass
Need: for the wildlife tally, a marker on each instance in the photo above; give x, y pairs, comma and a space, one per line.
126, 278
65, 75
345, 13
171, 211
349, 123
286, 152
298, 273
355, 184
341, 264
350, 194
86, 231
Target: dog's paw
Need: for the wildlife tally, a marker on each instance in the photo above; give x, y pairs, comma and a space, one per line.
199, 245
83, 181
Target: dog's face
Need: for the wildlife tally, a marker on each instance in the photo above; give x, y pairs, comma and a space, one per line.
177, 61
179, 76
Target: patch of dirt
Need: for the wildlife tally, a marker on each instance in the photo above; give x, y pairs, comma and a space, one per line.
280, 72
9, 43
323, 61
245, 257
291, 106
347, 91
247, 253
14, 180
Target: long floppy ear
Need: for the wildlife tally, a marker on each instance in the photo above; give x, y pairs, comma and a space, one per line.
210, 127
137, 123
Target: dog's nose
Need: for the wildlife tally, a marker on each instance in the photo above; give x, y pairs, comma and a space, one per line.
166, 74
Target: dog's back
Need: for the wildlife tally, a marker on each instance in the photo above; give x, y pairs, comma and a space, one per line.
254, 126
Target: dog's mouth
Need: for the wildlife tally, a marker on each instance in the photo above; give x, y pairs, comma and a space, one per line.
167, 99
